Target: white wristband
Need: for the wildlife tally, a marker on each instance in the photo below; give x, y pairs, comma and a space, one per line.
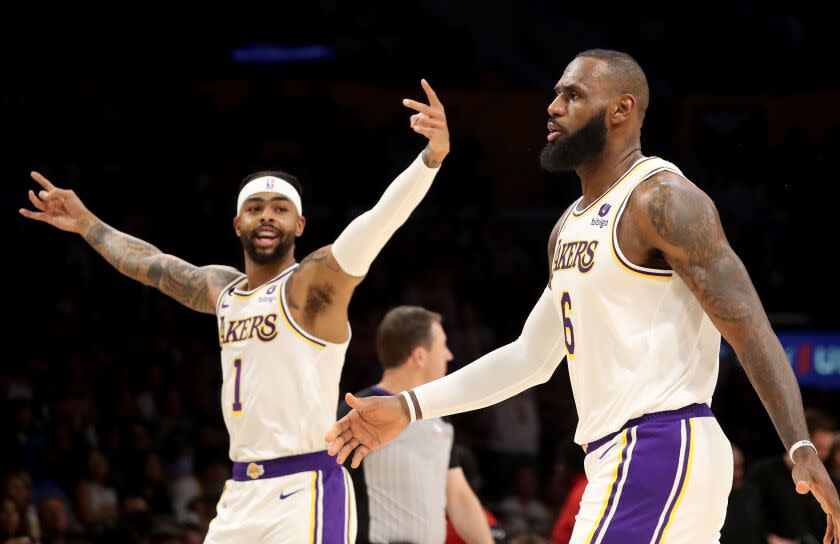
411, 415
800, 444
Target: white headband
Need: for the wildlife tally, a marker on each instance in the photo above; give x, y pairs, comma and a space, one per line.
269, 184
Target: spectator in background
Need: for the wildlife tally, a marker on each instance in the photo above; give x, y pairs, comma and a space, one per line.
522, 512
834, 460
191, 534
134, 522
55, 523
151, 485
12, 528
571, 457
792, 517
745, 523
96, 500
514, 439
18, 487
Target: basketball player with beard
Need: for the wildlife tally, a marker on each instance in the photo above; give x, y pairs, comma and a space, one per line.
642, 283
283, 333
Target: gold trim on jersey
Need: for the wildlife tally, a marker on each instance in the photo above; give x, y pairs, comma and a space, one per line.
249, 293
312, 521
563, 219
287, 317
639, 163
636, 270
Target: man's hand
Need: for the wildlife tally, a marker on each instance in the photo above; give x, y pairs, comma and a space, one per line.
430, 121
60, 208
809, 475
373, 422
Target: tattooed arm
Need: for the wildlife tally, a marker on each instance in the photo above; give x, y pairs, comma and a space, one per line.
676, 218
194, 287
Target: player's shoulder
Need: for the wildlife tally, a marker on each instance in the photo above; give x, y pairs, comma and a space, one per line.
668, 201
666, 185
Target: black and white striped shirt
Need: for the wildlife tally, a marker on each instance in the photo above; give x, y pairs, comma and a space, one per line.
401, 488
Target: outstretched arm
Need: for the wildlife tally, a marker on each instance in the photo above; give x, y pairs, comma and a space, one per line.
356, 247
528, 361
681, 221
194, 287
323, 284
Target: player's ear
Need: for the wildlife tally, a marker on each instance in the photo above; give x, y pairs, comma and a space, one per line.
236, 226
301, 224
623, 108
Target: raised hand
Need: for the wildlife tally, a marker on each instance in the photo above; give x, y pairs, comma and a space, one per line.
373, 422
60, 208
430, 121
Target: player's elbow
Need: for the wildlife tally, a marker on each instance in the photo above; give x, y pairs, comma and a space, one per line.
541, 358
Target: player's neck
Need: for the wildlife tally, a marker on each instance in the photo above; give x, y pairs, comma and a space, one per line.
598, 175
396, 382
258, 274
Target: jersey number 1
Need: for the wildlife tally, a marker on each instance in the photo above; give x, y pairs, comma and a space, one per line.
237, 405
568, 331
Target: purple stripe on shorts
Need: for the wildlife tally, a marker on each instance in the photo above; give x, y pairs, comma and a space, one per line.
650, 478
619, 475
686, 455
335, 493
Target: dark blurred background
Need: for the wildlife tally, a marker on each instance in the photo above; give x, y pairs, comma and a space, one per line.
113, 431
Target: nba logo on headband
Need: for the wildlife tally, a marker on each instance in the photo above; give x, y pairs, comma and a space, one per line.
269, 184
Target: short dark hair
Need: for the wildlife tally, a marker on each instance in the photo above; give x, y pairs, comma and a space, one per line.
402, 329
277, 174
626, 71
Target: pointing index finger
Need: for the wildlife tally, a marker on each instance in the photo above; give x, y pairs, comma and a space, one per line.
42, 181
434, 101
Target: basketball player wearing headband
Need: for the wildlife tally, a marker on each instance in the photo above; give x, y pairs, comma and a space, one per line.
283, 332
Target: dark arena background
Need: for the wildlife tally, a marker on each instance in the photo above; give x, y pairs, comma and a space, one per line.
154, 118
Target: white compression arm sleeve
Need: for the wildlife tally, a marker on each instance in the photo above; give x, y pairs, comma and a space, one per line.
501, 374
365, 236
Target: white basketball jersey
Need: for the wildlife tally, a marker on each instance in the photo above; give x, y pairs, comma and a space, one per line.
279, 383
637, 340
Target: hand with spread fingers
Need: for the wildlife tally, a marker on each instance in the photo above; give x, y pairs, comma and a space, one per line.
373, 422
60, 208
430, 121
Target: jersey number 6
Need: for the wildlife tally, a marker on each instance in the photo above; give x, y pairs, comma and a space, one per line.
568, 331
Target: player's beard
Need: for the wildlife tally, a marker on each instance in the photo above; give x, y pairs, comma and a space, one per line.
285, 242
572, 150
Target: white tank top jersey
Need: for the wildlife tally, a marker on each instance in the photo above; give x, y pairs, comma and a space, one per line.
636, 338
279, 383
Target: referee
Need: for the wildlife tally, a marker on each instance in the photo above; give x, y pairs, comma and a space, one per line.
405, 491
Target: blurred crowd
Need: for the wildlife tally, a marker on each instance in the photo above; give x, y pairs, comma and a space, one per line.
110, 391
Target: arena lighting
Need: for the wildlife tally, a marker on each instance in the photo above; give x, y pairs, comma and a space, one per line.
281, 54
